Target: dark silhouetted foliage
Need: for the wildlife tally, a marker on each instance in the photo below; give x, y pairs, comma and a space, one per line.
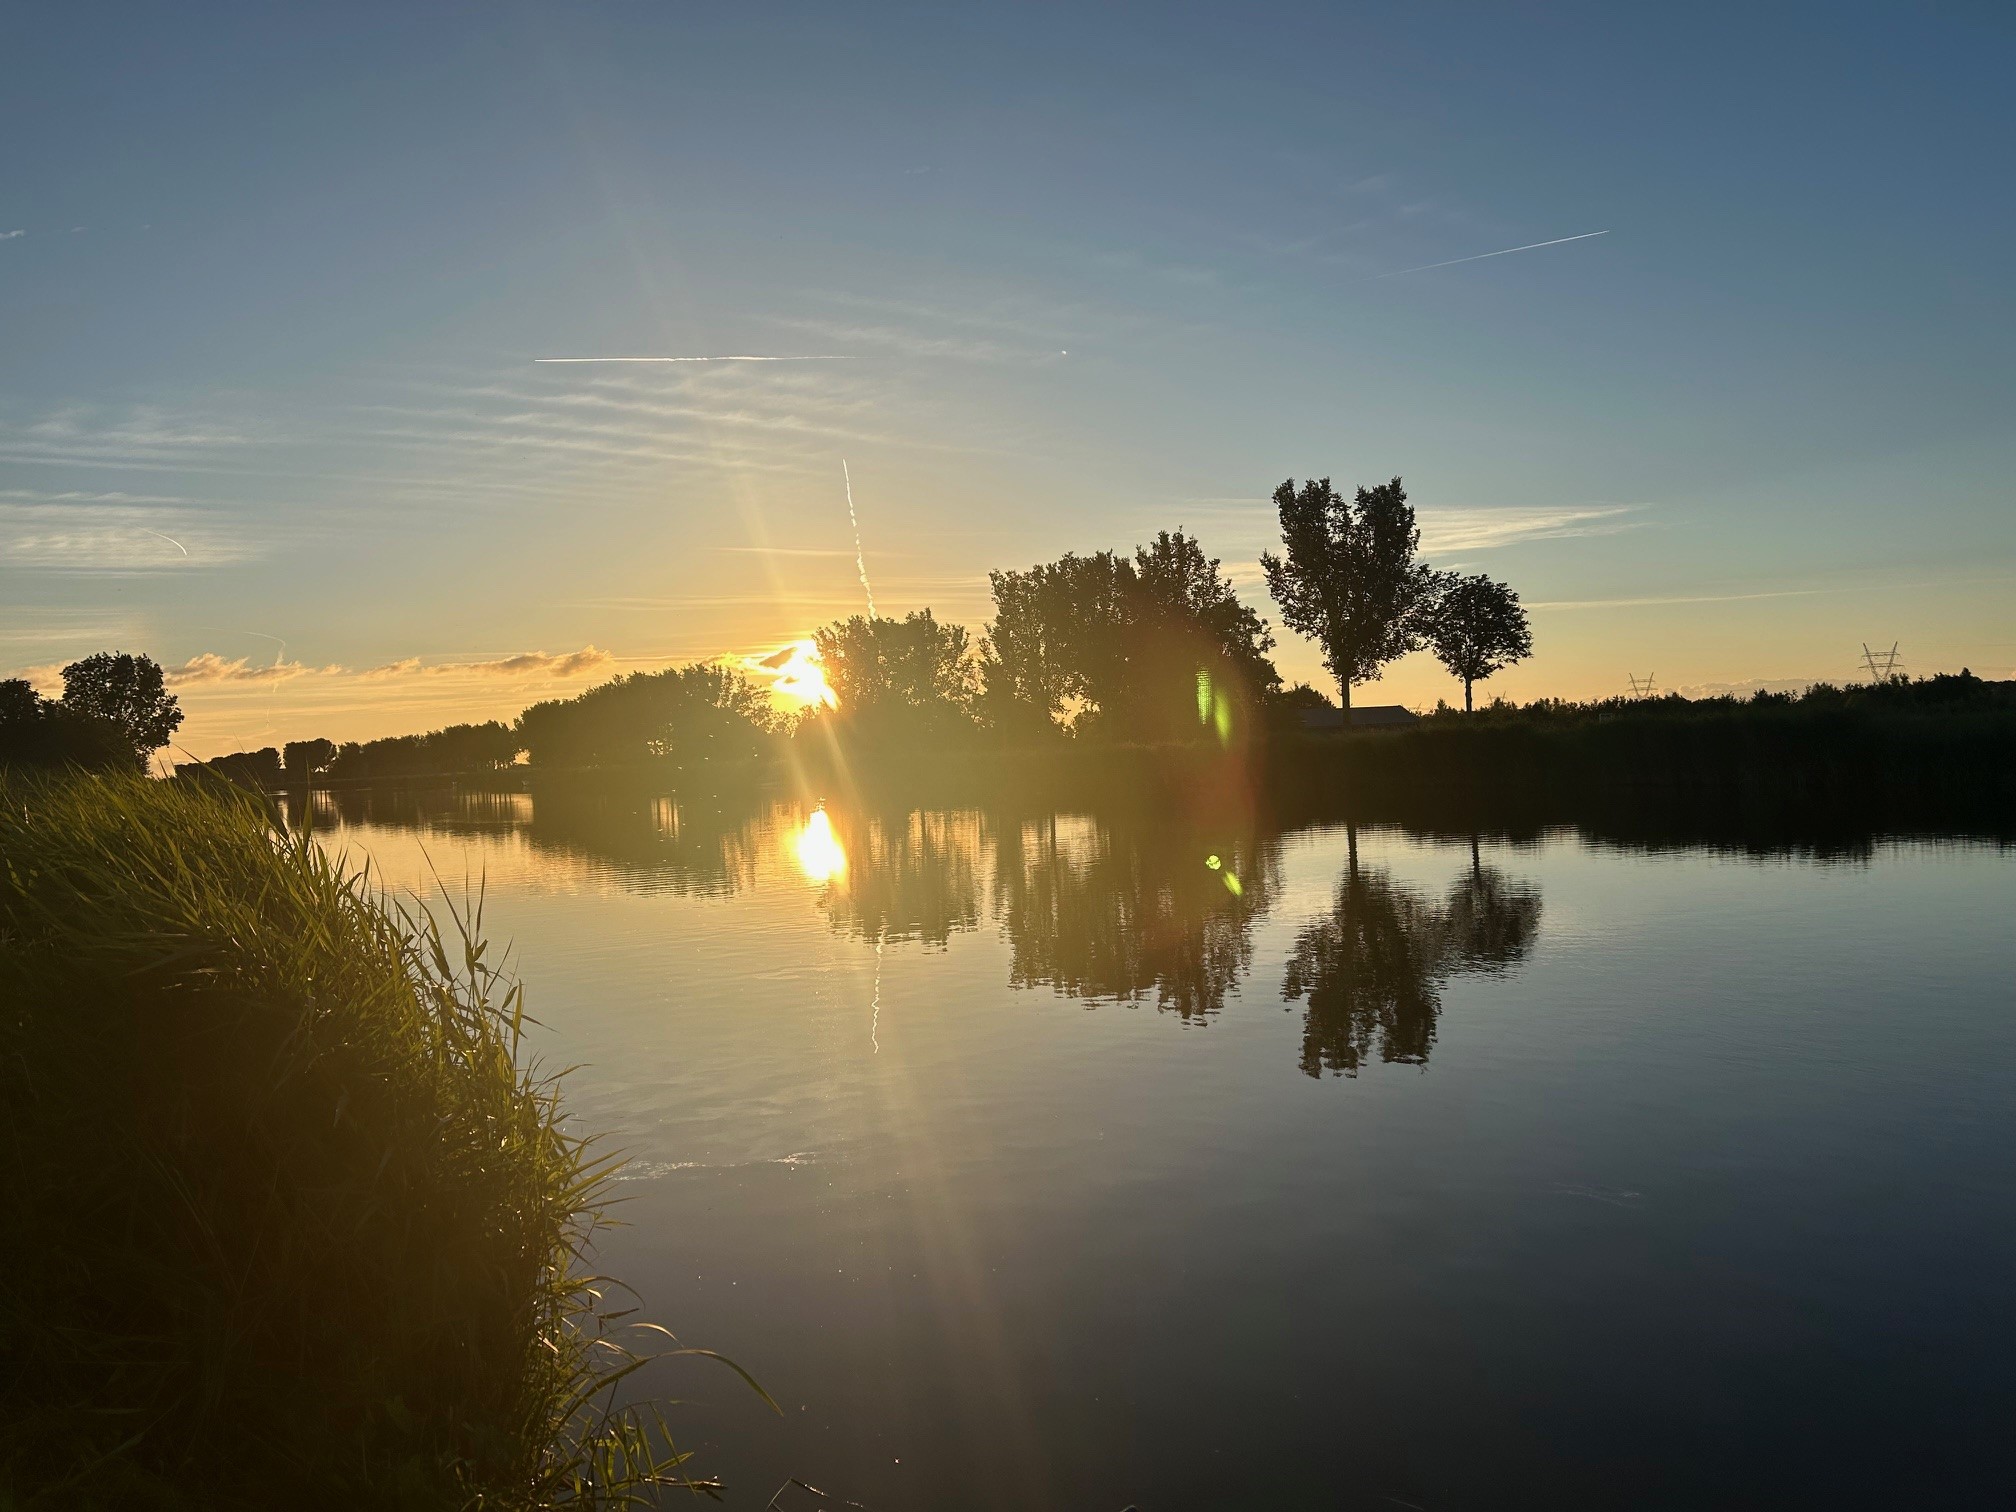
683, 717
1477, 627
898, 679
128, 692
1349, 578
1119, 643
252, 769
41, 732
308, 758
438, 753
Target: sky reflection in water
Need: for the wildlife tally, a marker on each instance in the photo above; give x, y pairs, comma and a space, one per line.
1418, 1170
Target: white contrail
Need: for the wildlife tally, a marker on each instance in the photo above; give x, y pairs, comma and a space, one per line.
169, 539
1501, 252
739, 357
860, 561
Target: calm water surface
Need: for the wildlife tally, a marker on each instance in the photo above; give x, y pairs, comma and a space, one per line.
1053, 1161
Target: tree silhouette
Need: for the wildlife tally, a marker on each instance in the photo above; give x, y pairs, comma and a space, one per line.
1349, 579
686, 715
1119, 642
1477, 627
1058, 638
891, 676
1178, 585
127, 692
36, 731
308, 758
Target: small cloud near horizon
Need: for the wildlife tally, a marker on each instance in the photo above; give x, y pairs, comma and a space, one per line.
209, 667
522, 664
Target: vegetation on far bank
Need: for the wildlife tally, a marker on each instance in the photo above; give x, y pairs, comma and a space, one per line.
1090, 656
1148, 648
296, 1222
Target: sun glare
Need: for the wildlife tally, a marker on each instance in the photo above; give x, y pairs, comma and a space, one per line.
819, 854
796, 676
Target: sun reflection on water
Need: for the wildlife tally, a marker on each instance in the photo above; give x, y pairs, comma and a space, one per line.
818, 849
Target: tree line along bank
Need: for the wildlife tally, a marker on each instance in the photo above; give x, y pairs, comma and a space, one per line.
1143, 649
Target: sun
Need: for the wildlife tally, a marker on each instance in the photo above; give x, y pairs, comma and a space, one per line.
797, 678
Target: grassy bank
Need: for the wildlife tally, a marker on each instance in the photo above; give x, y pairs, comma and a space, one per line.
293, 1223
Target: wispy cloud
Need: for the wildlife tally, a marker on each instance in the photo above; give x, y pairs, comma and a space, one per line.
209, 667
906, 342
1049, 324
738, 357
1651, 601
78, 496
520, 664
1501, 252
212, 669
721, 600
144, 436
121, 538
1250, 523
10, 235
1485, 529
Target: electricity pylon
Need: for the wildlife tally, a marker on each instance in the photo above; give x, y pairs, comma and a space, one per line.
1884, 666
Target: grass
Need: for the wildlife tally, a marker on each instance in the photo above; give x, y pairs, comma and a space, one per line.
295, 1224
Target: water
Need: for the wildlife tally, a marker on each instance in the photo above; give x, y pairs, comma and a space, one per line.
1030, 1162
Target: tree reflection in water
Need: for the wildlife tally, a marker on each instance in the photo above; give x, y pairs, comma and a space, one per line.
1110, 913
912, 876
1370, 971
1105, 909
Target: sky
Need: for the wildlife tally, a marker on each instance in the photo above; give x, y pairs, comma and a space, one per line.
275, 282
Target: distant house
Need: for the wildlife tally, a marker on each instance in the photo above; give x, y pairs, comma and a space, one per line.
1330, 721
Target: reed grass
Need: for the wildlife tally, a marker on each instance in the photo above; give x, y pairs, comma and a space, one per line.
294, 1222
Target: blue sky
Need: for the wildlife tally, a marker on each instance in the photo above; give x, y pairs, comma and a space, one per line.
268, 328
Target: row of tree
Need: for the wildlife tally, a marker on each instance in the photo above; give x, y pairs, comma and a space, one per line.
458, 748
1115, 645
1151, 647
